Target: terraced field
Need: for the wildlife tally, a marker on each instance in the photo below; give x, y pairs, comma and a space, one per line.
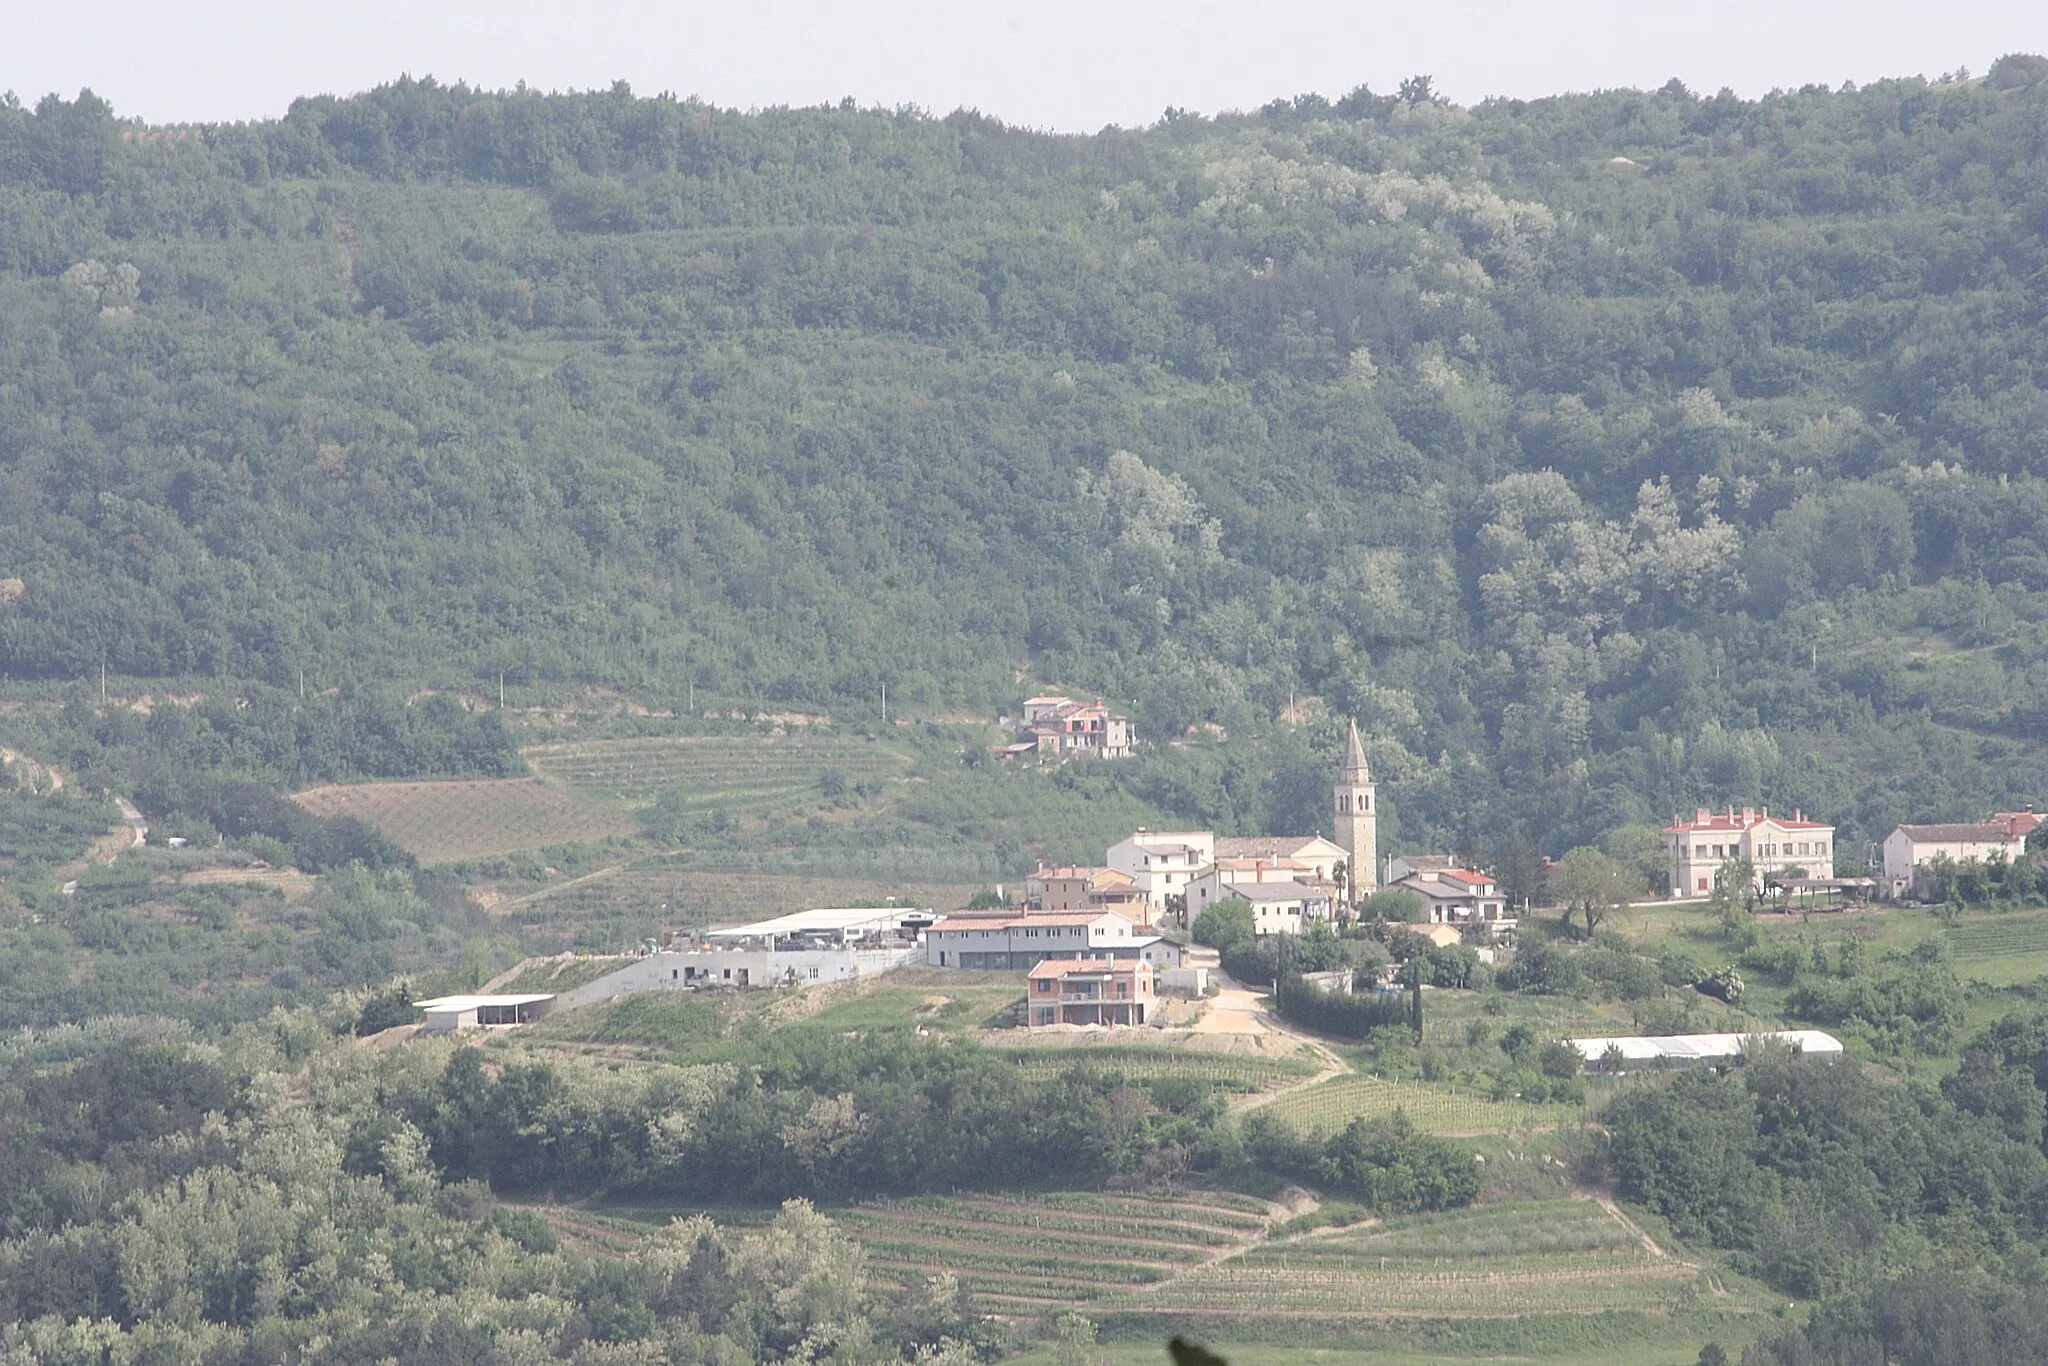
1025, 1255
1488, 1261
746, 775
1330, 1105
1230, 1070
443, 822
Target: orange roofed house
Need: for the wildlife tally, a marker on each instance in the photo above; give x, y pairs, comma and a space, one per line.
1775, 845
1090, 991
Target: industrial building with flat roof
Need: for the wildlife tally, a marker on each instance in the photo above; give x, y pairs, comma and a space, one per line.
446, 1014
1685, 1050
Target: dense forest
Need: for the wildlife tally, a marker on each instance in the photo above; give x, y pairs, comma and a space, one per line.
1603, 454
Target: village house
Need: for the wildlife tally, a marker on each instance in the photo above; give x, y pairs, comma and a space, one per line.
1318, 859
1283, 907
1407, 865
1162, 863
1222, 878
1910, 848
1067, 888
1776, 847
1459, 896
1013, 941
1089, 991
1062, 728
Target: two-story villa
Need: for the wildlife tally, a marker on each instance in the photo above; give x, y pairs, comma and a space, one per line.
1090, 991
1697, 850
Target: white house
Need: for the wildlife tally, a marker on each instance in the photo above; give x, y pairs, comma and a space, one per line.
1011, 942
1458, 896
1223, 878
1697, 850
1282, 907
1162, 862
1912, 847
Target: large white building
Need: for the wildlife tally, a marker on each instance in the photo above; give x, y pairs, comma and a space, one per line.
1162, 862
1697, 850
1910, 848
1007, 941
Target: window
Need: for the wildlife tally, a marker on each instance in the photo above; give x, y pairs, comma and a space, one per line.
814, 972
1700, 852
1703, 884
1717, 851
1343, 803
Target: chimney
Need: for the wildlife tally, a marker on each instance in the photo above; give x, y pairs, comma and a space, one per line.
1702, 816
1748, 815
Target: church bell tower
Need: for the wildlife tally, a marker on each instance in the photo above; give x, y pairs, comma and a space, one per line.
1358, 818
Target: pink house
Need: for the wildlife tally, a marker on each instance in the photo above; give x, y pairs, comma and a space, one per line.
1087, 991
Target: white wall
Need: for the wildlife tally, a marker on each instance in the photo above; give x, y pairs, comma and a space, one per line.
670, 971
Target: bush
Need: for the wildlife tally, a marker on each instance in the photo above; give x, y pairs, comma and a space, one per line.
1227, 922
1329, 1012
385, 1010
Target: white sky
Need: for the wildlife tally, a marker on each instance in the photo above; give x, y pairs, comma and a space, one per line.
1052, 64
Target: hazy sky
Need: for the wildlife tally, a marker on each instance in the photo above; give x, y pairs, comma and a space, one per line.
1054, 64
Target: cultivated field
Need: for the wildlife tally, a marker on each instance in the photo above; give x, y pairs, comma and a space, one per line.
2000, 948
1232, 1070
1330, 1105
745, 775
444, 822
1029, 1254
1488, 1261
1206, 1253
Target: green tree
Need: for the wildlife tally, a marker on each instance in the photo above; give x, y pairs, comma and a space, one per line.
1591, 884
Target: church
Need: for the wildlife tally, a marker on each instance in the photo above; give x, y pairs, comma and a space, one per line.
1340, 870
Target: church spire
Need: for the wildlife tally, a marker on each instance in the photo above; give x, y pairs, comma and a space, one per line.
1355, 770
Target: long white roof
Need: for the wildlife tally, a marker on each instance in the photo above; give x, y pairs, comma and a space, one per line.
1642, 1048
461, 1003
831, 920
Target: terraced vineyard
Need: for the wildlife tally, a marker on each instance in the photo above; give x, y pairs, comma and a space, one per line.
1488, 1261
442, 822
1025, 1255
1233, 1071
1330, 1105
746, 775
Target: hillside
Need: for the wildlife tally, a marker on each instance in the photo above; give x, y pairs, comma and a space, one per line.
1603, 454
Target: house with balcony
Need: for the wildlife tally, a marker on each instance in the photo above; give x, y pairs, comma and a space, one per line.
1089, 991
1062, 728
1459, 896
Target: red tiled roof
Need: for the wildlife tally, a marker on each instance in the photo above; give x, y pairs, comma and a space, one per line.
1735, 822
2021, 823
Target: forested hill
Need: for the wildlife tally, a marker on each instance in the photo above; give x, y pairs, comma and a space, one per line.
1604, 454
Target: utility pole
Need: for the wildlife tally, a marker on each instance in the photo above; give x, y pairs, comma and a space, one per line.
103, 678
302, 685
501, 690
885, 704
